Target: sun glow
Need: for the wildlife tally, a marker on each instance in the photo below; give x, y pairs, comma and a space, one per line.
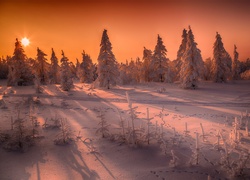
25, 41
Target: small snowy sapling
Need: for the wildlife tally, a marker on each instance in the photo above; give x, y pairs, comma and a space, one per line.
103, 129
65, 135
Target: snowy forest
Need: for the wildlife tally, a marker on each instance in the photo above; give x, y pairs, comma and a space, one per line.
154, 66
141, 119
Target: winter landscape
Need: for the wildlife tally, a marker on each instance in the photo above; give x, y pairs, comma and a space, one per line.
150, 117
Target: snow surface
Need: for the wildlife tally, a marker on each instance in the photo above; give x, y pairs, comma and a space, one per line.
213, 105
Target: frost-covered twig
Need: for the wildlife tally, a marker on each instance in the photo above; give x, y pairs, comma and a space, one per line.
196, 152
122, 125
173, 161
103, 130
217, 143
247, 132
149, 134
235, 135
234, 167
203, 133
186, 132
133, 115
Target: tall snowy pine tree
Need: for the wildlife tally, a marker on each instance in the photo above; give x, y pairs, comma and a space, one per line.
178, 62
192, 64
19, 69
54, 71
86, 71
183, 45
107, 65
147, 58
66, 77
42, 68
236, 65
159, 63
222, 62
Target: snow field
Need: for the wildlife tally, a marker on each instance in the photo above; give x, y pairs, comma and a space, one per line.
94, 157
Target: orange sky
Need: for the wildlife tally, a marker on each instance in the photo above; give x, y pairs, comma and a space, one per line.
74, 26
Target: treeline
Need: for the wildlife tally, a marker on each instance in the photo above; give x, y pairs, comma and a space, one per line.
188, 68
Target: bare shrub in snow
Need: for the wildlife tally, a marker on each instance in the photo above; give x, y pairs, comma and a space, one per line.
134, 135
149, 135
65, 136
53, 123
22, 137
233, 166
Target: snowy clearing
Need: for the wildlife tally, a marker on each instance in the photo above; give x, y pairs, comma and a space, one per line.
89, 156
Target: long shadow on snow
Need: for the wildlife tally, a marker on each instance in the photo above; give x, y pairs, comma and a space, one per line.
19, 162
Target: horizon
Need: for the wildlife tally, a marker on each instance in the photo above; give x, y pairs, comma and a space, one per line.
76, 26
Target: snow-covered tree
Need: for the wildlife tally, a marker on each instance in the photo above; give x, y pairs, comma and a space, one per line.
107, 65
42, 67
159, 63
139, 70
192, 64
178, 62
236, 65
208, 68
95, 72
66, 77
183, 45
72, 68
222, 62
78, 69
147, 58
123, 69
170, 73
19, 70
86, 69
132, 72
54, 69
4, 68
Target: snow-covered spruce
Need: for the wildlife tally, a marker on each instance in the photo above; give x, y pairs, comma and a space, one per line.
178, 62
192, 64
42, 67
222, 62
4, 70
54, 69
147, 58
236, 65
85, 70
19, 69
107, 65
66, 78
159, 63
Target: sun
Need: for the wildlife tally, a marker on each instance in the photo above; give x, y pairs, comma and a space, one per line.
25, 41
